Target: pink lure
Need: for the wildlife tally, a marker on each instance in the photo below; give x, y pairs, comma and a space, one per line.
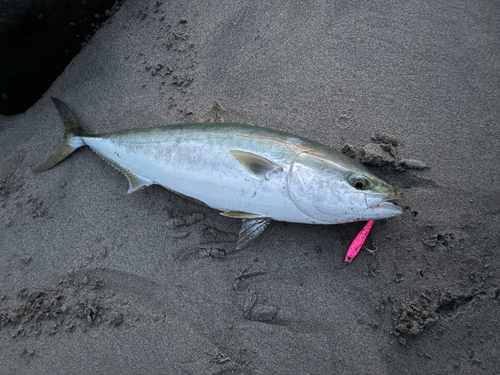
358, 242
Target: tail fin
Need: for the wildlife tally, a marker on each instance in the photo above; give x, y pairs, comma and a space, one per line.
71, 140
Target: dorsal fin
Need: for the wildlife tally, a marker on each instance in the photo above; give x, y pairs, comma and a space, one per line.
216, 114
257, 165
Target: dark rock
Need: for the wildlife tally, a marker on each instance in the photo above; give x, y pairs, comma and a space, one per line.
374, 154
37, 40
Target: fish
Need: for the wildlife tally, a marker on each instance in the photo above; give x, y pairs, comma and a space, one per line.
245, 171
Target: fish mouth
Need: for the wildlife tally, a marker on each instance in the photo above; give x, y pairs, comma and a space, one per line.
388, 202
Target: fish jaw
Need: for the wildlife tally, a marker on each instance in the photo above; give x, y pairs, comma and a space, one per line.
383, 205
383, 210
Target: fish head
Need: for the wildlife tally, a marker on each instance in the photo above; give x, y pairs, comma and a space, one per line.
332, 188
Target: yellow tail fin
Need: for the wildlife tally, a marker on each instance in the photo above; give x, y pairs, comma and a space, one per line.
72, 138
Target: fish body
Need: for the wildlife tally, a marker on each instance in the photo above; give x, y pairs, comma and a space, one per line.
245, 171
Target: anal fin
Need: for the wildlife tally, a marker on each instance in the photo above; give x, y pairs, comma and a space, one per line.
250, 230
135, 182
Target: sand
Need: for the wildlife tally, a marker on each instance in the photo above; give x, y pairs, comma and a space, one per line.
97, 281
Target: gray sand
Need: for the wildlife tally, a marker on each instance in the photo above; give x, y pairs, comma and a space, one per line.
98, 281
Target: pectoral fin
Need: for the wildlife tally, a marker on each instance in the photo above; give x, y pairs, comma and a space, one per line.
257, 165
250, 230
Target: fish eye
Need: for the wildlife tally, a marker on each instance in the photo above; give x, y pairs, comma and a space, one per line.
359, 182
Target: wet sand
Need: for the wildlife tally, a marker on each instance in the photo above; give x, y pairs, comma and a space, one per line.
98, 281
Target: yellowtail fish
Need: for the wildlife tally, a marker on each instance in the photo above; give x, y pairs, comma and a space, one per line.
245, 171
